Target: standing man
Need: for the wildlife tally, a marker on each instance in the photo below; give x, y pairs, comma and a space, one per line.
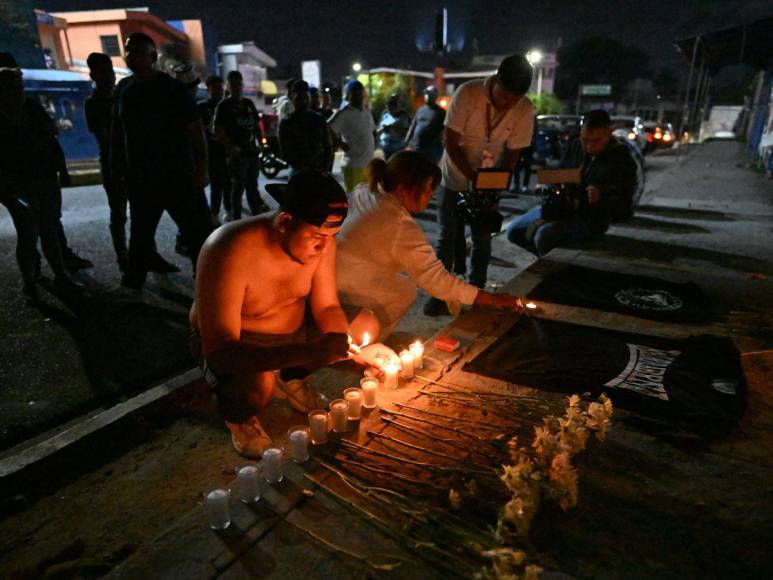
219, 186
304, 137
31, 163
355, 133
284, 104
425, 134
393, 126
99, 110
159, 147
237, 128
488, 123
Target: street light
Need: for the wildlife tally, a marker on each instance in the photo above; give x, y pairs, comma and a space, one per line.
534, 57
356, 67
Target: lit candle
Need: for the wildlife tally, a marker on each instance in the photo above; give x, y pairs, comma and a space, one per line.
318, 426
249, 484
353, 398
417, 349
390, 375
299, 443
217, 509
531, 306
406, 364
369, 386
338, 412
272, 465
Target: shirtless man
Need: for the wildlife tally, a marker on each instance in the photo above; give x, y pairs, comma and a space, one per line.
254, 278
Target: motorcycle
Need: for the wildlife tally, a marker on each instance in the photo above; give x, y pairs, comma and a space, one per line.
269, 162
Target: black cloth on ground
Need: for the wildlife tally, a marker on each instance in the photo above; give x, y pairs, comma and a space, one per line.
694, 384
640, 296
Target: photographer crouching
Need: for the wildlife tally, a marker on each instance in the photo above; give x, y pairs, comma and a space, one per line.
574, 214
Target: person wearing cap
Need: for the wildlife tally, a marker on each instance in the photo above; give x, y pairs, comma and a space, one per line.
159, 150
393, 126
237, 127
31, 167
219, 187
355, 133
257, 277
488, 123
384, 254
608, 182
304, 137
426, 131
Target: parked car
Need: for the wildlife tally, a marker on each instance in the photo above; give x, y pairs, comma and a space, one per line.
658, 135
630, 128
553, 135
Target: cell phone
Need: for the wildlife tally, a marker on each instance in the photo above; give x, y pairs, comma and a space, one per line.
491, 179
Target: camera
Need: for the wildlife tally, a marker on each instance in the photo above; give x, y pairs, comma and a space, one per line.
562, 194
478, 206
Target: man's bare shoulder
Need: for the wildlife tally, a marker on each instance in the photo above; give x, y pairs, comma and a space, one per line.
239, 239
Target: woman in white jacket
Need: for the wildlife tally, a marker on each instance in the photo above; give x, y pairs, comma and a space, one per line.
383, 254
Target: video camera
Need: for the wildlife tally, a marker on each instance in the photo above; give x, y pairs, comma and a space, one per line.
478, 206
562, 193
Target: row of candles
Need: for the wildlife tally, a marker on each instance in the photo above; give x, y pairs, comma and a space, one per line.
342, 411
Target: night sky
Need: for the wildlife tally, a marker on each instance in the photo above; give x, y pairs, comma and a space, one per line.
386, 33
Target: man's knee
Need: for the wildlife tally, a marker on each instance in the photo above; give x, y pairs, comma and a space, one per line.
243, 396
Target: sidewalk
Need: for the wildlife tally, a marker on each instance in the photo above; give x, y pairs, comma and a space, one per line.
642, 501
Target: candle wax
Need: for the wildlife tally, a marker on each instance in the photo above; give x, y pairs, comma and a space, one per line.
318, 426
369, 393
249, 484
390, 375
217, 509
272, 465
299, 445
353, 398
338, 411
406, 364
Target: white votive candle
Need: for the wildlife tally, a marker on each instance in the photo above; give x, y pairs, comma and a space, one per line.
353, 397
338, 412
391, 369
318, 426
417, 350
299, 443
369, 386
406, 364
272, 465
217, 509
249, 484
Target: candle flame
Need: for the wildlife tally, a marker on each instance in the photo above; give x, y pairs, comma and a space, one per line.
418, 345
365, 339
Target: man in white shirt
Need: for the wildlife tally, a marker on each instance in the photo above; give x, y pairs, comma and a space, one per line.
488, 123
355, 132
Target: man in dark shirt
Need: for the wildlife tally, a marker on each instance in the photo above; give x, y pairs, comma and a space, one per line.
304, 137
608, 179
31, 165
426, 130
219, 186
237, 128
158, 146
99, 110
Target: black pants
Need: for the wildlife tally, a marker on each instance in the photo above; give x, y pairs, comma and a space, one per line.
117, 202
243, 169
219, 183
148, 201
35, 209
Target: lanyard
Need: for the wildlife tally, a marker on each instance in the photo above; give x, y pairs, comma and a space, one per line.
491, 125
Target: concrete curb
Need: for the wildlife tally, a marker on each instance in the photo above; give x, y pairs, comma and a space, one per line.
24, 455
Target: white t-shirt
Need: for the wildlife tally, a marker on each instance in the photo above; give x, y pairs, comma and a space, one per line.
356, 127
383, 255
484, 129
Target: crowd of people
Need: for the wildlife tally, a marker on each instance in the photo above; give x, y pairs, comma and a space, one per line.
282, 293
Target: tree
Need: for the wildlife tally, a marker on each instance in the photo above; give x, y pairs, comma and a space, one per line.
598, 60
545, 104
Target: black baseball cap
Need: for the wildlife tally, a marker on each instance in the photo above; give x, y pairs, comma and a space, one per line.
312, 196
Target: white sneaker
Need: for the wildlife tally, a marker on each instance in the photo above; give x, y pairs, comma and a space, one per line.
249, 438
300, 394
